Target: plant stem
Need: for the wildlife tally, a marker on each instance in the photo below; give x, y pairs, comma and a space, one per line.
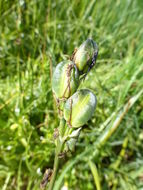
56, 165
57, 152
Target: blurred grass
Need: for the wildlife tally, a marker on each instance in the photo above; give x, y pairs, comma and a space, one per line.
34, 36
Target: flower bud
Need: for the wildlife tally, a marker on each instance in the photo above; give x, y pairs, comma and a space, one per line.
79, 108
70, 145
86, 55
65, 79
75, 133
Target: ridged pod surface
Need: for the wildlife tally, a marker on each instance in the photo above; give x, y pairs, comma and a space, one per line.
85, 54
79, 108
65, 79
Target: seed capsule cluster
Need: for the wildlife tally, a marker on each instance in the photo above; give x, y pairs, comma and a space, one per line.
76, 106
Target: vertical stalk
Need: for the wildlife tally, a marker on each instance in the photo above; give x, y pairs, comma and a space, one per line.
56, 165
57, 152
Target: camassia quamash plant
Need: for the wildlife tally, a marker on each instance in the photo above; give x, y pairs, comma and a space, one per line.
75, 107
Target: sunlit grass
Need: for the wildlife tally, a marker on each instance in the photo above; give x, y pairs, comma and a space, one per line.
34, 37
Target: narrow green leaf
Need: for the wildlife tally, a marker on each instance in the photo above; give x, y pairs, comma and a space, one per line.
95, 175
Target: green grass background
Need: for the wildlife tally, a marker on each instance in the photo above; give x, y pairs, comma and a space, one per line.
35, 35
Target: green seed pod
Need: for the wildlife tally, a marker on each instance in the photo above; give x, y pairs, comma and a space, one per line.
65, 79
86, 55
79, 108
